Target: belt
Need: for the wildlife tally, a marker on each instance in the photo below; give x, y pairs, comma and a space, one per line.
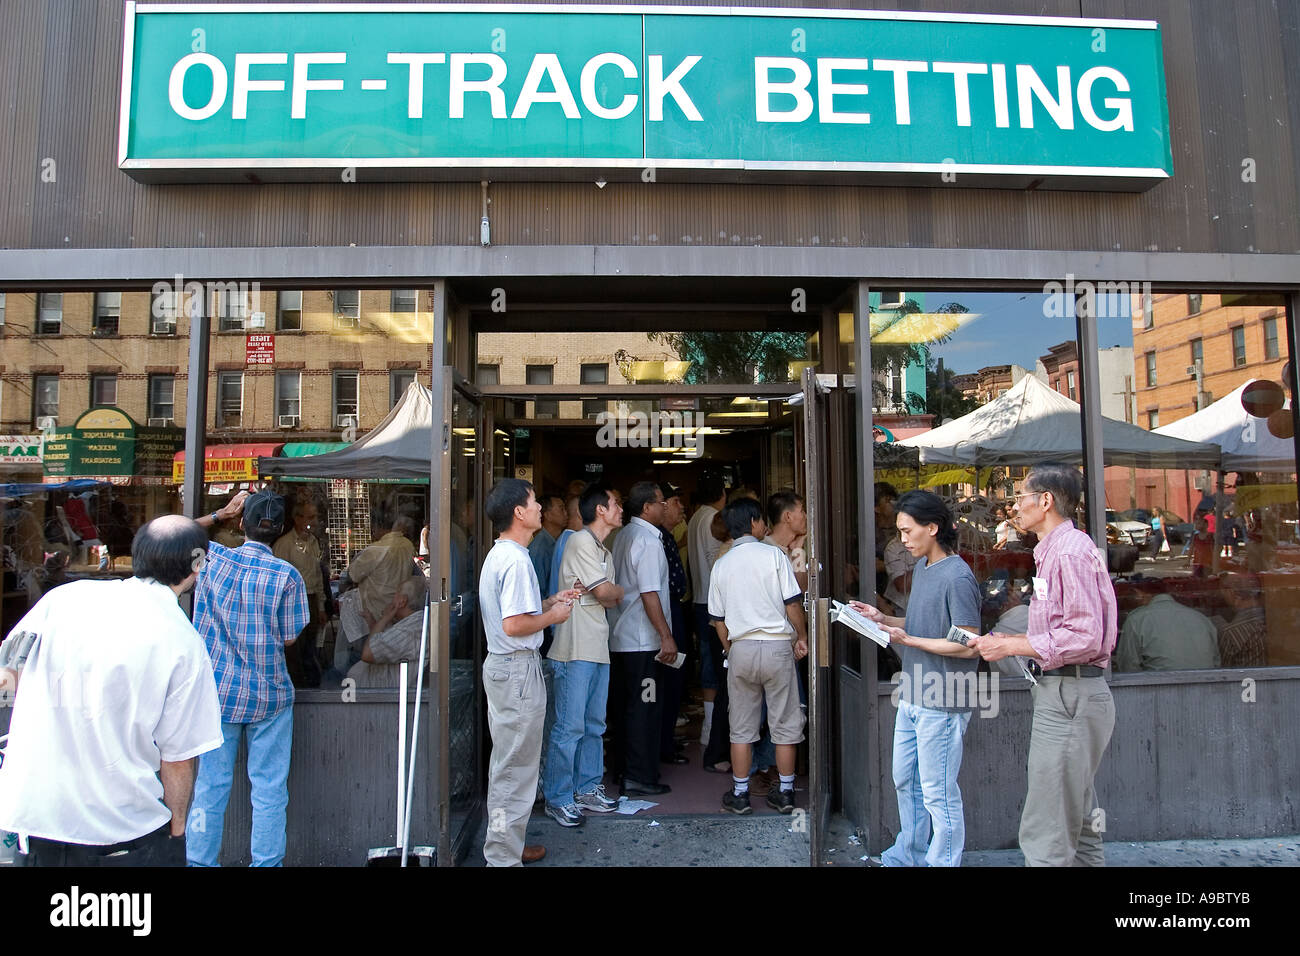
1076, 670
527, 651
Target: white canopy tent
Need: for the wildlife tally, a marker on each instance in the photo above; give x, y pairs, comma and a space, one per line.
399, 447
1247, 443
1032, 423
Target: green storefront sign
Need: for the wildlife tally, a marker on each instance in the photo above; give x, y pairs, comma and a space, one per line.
305, 91
106, 442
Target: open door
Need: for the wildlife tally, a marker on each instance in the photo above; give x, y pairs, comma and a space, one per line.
463, 463
817, 605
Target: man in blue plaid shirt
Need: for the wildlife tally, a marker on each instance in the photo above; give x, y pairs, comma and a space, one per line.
248, 606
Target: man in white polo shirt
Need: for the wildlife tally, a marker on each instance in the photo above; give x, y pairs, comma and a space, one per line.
575, 761
639, 635
117, 692
514, 616
755, 604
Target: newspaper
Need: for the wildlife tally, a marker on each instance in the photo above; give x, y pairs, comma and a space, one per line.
959, 635
863, 625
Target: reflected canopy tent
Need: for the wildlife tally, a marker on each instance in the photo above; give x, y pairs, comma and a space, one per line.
1247, 443
399, 448
1033, 423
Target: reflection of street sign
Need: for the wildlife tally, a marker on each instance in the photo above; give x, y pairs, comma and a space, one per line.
259, 350
1261, 398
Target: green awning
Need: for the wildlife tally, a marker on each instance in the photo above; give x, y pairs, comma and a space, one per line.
302, 449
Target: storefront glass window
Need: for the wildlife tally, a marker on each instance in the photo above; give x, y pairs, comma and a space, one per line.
85, 459
1209, 558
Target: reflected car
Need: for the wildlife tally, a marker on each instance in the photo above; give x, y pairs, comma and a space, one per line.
1176, 530
1126, 529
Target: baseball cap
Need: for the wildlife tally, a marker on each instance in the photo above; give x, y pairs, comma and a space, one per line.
264, 510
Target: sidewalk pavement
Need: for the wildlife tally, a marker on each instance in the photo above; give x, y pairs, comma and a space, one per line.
723, 840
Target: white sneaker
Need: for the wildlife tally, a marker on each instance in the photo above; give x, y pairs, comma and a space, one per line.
705, 731
596, 800
566, 816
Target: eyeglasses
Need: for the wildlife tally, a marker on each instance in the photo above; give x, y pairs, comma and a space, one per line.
1027, 494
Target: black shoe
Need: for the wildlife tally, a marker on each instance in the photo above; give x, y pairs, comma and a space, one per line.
631, 788
782, 801
676, 759
736, 803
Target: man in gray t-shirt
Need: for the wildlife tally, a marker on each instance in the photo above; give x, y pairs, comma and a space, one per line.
937, 686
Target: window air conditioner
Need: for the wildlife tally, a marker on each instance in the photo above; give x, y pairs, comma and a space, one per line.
159, 422
164, 326
345, 421
288, 421
46, 423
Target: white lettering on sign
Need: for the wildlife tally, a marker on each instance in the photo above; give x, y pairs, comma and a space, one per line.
244, 84
302, 62
416, 62
784, 90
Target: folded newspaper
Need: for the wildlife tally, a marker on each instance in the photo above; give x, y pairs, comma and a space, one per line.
863, 625
959, 635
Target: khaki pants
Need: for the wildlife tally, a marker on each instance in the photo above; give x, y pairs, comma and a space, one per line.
516, 699
1073, 721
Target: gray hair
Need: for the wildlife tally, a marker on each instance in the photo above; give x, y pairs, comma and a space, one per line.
1063, 482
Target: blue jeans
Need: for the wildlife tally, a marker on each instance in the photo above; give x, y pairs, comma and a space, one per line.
575, 758
927, 756
270, 741
707, 636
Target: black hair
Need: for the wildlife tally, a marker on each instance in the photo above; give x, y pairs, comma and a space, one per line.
546, 501
506, 495
642, 494
885, 490
267, 536
165, 549
780, 503
709, 490
1064, 482
593, 496
925, 507
740, 516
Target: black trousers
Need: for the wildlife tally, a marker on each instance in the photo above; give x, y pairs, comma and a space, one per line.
672, 686
634, 714
153, 849
719, 746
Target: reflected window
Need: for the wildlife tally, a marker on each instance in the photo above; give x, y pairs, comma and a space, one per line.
288, 399
230, 399
405, 307
1153, 419
289, 311
542, 375
1151, 369
108, 313
1239, 346
163, 309
347, 309
45, 396
400, 380
103, 390
488, 375
49, 313
1194, 303
346, 405
162, 400
232, 309
2, 310
1270, 339
1198, 351
594, 374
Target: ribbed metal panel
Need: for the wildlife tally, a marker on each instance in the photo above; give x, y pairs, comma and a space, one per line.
1233, 89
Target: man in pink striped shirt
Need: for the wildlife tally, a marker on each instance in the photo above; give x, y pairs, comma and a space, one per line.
1072, 630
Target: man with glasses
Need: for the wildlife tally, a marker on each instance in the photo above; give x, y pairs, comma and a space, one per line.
640, 634
1072, 629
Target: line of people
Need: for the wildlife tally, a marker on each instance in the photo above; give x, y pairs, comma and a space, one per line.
618, 620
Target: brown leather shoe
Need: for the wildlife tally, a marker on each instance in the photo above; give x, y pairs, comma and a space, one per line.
533, 853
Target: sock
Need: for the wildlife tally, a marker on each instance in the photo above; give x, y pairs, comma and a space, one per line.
708, 711
739, 786
787, 783
707, 727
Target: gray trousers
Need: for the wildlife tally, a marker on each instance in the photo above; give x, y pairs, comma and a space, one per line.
516, 699
1073, 720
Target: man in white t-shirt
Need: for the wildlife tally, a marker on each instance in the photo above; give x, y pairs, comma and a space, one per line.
114, 689
756, 606
514, 616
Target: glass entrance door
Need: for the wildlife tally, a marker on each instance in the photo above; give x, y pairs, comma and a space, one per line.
464, 454
820, 674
